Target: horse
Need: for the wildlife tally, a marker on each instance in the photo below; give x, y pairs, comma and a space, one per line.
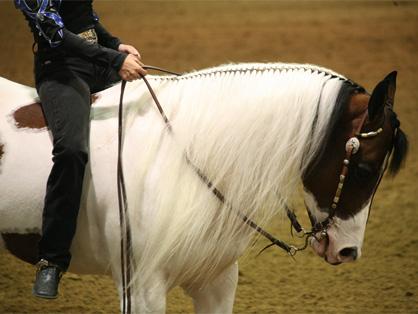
258, 131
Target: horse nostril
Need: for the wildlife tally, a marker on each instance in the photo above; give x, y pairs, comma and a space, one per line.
349, 252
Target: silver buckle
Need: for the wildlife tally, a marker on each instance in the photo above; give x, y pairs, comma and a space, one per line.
353, 144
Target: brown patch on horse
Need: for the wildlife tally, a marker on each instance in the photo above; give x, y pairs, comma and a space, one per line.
93, 98
23, 246
358, 104
30, 116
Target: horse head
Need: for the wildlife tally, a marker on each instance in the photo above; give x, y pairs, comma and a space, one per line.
342, 180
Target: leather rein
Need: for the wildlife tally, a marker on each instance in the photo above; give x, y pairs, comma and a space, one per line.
318, 231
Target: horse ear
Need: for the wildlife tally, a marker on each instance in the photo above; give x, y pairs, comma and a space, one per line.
383, 93
391, 78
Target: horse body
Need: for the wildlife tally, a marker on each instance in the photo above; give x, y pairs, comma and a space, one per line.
254, 129
14, 173
23, 179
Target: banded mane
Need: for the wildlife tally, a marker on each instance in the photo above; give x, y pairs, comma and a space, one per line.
261, 124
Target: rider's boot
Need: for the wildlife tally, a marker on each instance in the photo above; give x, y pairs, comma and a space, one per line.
48, 276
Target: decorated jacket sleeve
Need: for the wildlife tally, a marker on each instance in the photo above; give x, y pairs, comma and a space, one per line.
95, 52
44, 14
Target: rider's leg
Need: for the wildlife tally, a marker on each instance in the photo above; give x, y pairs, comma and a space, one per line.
65, 100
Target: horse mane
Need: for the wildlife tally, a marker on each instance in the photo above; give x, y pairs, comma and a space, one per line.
253, 129
247, 68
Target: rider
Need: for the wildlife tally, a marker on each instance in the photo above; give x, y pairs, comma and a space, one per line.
74, 57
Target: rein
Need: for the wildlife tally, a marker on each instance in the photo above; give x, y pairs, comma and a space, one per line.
125, 228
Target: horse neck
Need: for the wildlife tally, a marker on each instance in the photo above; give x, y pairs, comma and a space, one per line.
259, 128
250, 132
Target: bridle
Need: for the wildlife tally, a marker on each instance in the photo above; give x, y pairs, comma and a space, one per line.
318, 231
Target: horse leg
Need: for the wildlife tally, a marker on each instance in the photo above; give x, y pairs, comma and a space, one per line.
151, 297
146, 298
219, 295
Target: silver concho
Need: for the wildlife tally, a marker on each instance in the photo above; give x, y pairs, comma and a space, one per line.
353, 143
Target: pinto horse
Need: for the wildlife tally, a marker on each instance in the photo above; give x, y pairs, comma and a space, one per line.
257, 131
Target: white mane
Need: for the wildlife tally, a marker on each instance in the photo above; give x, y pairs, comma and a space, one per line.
252, 129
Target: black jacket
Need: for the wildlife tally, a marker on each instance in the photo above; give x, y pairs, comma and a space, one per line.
55, 23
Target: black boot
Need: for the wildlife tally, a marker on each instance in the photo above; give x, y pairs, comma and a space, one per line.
47, 279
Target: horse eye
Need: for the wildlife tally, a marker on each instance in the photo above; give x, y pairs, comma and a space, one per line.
363, 171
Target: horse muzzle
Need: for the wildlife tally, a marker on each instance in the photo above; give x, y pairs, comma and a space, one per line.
325, 248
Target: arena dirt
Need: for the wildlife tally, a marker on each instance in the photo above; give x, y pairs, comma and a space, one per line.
362, 40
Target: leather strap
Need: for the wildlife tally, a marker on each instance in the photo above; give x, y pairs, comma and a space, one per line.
125, 229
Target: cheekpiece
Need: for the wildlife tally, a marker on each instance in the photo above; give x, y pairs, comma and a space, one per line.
354, 144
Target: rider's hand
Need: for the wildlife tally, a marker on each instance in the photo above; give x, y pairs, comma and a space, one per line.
131, 68
129, 50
